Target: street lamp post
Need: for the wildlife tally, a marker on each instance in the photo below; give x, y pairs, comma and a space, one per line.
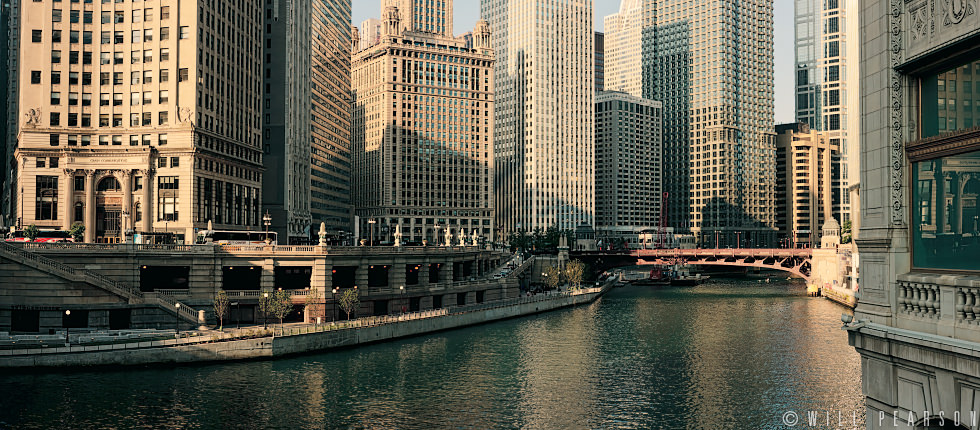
267, 220
265, 311
738, 242
67, 328
332, 314
371, 239
716, 239
238, 315
177, 315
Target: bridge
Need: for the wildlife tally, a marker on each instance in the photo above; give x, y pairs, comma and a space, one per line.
793, 261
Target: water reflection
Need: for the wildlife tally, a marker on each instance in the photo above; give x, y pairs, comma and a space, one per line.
733, 354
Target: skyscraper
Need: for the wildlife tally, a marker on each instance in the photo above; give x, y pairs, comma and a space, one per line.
139, 118
545, 114
826, 52
600, 61
307, 118
423, 131
807, 163
711, 64
628, 166
424, 16
8, 102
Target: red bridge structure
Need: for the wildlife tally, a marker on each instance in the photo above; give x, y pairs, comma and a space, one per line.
794, 261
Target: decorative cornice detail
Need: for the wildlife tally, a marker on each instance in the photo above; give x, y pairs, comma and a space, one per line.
944, 145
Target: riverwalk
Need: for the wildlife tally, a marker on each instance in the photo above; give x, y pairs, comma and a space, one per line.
258, 343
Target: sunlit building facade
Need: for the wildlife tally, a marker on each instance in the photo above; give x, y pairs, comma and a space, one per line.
139, 118
545, 114
423, 130
711, 65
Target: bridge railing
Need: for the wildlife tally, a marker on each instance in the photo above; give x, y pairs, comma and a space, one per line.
234, 249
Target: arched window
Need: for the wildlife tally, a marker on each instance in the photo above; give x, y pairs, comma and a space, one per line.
79, 215
108, 183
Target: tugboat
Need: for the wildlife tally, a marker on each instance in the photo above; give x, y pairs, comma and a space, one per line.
681, 275
658, 276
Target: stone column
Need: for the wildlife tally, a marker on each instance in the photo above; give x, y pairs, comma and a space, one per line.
147, 205
361, 276
67, 200
397, 276
126, 179
89, 206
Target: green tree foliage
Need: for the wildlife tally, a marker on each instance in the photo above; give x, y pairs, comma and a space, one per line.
77, 231
575, 273
221, 307
552, 277
281, 305
314, 301
845, 232
349, 301
31, 232
540, 240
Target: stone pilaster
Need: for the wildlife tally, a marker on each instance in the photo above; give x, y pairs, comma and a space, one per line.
89, 206
67, 202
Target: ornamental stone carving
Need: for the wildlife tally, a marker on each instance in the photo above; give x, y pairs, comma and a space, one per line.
33, 117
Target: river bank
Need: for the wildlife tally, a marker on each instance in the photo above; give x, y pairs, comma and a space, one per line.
250, 346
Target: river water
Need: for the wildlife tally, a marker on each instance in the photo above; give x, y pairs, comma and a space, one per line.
730, 354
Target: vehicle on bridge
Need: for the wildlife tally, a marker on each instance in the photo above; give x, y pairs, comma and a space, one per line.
43, 236
227, 237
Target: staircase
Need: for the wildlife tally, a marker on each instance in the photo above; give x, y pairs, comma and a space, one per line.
64, 271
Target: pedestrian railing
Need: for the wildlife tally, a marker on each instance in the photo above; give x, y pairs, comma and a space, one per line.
46, 264
374, 321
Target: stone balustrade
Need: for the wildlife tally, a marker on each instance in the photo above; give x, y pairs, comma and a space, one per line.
942, 304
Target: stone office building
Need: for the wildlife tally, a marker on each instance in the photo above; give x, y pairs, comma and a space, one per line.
917, 322
423, 130
139, 117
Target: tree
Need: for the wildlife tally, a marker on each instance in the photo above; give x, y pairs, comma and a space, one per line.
31, 232
845, 232
221, 307
265, 305
575, 273
280, 305
349, 301
313, 302
77, 232
552, 277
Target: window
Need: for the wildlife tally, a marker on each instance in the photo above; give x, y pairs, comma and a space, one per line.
120, 17
36, 36
163, 118
148, 35
55, 98
87, 17
117, 58
146, 140
36, 77
134, 78
137, 36
164, 12
54, 139
104, 99
86, 140
56, 15
148, 56
134, 99
117, 78
137, 15
165, 33
167, 198
106, 17
53, 162
147, 77
182, 75
72, 57
105, 58
73, 16
117, 99
164, 96
86, 78
175, 162
185, 32
148, 15
86, 120
46, 194
134, 119
164, 54
164, 75
117, 120
56, 78
117, 139
86, 57
134, 57
72, 121
79, 183
86, 99
103, 141
147, 98
134, 140
163, 139
87, 37
117, 37
946, 108
56, 36
948, 216
56, 56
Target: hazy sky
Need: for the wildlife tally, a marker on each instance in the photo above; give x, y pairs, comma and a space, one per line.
468, 11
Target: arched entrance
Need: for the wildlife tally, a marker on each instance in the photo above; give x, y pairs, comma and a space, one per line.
108, 210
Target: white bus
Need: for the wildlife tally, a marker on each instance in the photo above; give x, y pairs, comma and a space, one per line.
219, 237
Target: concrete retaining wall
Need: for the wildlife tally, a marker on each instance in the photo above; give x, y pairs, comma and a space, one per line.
268, 347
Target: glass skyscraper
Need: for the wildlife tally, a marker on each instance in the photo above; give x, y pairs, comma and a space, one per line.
711, 64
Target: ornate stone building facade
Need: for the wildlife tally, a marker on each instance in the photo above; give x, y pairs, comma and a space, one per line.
423, 130
917, 322
141, 118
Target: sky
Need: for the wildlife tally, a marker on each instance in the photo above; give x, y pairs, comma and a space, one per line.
468, 11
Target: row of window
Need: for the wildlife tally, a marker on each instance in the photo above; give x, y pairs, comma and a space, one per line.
116, 78
104, 139
146, 56
105, 120
109, 17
